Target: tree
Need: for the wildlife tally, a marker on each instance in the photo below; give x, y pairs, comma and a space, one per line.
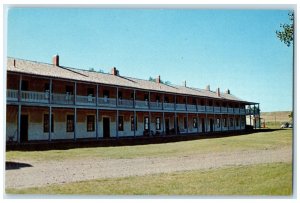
287, 34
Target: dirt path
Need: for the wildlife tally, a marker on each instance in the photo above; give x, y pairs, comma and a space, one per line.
44, 173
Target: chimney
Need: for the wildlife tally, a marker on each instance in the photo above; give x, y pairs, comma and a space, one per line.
208, 88
14, 62
218, 92
55, 60
114, 71
158, 79
184, 83
227, 91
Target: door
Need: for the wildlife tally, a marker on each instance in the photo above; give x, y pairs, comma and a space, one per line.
211, 125
167, 126
203, 125
106, 127
24, 128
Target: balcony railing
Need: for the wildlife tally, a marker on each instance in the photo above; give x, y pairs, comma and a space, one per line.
141, 104
40, 97
12, 95
106, 102
62, 98
201, 108
156, 105
125, 103
169, 106
217, 109
43, 97
224, 109
180, 107
191, 107
86, 100
209, 108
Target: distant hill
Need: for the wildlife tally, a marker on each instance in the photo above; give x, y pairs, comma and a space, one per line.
279, 116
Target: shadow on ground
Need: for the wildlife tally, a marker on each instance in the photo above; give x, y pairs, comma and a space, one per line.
124, 141
9, 165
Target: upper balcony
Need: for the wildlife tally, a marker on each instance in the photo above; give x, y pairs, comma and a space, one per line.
69, 99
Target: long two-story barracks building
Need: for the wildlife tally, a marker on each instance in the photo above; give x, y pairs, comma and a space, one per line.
53, 102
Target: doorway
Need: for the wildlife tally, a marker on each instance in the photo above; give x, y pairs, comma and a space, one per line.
24, 128
211, 125
106, 127
167, 124
203, 125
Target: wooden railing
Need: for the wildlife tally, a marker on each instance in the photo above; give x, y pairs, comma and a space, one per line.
68, 99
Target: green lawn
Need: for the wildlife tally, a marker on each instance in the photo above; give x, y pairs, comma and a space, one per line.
262, 179
263, 140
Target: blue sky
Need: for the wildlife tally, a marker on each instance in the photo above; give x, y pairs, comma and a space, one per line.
234, 49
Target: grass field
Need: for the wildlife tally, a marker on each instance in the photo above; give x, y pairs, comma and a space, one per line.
260, 179
262, 140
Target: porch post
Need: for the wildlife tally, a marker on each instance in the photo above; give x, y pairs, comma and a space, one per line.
117, 100
133, 103
221, 122
175, 122
117, 124
75, 122
20, 89
97, 112
50, 91
187, 122
197, 122
19, 124
149, 123
258, 109
50, 122
149, 99
134, 122
75, 93
163, 122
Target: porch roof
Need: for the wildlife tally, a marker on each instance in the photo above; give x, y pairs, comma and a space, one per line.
62, 72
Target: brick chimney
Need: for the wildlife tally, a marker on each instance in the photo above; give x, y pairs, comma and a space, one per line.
208, 88
227, 91
114, 71
55, 60
218, 92
158, 79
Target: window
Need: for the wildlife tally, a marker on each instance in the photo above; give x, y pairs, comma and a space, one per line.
185, 122
237, 123
132, 123
157, 98
46, 123
90, 124
231, 122
70, 123
166, 99
146, 123
24, 85
121, 124
69, 89
120, 95
218, 123
194, 102
90, 92
225, 122
157, 123
195, 124
46, 87
106, 93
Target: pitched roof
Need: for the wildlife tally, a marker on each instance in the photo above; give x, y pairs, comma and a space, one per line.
49, 70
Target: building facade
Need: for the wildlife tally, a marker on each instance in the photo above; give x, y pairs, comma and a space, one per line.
52, 102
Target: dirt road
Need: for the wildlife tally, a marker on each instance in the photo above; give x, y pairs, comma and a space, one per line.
58, 172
